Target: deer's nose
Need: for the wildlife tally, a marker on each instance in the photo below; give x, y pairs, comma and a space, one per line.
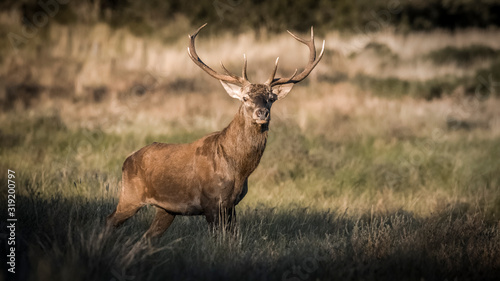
262, 114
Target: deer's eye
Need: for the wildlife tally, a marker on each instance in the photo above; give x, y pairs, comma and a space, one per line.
245, 99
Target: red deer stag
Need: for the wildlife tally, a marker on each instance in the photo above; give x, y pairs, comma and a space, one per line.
209, 176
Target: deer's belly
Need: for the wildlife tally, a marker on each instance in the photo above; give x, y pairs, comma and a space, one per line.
181, 207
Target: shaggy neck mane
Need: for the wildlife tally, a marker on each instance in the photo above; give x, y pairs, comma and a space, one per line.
244, 142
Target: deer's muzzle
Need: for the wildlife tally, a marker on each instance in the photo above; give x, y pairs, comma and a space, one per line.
262, 115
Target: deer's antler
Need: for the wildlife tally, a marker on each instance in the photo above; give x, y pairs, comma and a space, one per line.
313, 61
228, 77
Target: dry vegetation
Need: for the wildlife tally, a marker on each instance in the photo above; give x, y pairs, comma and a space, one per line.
384, 165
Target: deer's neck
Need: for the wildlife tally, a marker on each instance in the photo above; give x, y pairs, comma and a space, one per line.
244, 143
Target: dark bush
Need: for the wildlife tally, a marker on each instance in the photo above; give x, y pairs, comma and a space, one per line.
462, 56
275, 16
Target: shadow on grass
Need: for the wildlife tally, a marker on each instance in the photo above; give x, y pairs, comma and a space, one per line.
64, 239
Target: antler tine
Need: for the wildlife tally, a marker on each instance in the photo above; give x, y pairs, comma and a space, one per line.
313, 61
300, 39
271, 78
227, 71
293, 75
244, 71
230, 78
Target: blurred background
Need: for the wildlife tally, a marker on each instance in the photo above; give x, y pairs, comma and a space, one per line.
386, 157
95, 50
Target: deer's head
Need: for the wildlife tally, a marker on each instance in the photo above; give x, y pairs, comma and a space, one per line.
257, 99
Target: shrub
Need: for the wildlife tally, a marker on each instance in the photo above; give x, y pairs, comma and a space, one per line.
462, 56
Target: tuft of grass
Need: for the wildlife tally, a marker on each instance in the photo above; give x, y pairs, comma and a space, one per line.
462, 56
382, 50
487, 80
396, 88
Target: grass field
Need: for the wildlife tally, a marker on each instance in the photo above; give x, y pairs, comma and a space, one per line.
370, 173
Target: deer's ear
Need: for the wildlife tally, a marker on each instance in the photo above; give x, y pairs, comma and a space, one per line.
233, 90
282, 90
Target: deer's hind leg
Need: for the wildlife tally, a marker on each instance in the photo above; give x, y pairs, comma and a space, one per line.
131, 200
121, 214
163, 219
